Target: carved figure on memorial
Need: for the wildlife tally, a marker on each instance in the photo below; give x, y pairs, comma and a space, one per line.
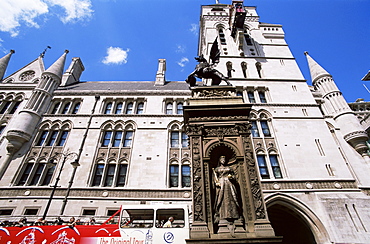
206, 70
227, 206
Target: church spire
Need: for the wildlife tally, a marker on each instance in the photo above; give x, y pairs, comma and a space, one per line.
58, 66
4, 63
316, 70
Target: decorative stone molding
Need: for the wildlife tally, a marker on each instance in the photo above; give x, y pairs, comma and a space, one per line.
312, 185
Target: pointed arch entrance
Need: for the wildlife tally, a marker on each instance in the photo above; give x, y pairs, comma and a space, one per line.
294, 221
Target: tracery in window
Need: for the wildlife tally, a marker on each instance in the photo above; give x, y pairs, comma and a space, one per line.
173, 105
178, 138
65, 106
52, 135
110, 169
9, 102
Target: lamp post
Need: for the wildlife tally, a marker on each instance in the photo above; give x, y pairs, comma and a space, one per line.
65, 156
74, 164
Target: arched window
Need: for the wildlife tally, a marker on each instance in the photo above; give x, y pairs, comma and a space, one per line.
262, 165
265, 128
130, 108
275, 166
169, 108
55, 108
76, 108
140, 108
117, 140
254, 129
178, 138
5, 105
66, 108
179, 174
222, 36
119, 108
180, 108
108, 108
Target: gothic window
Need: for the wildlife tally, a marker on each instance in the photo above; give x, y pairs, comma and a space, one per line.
169, 108
52, 138
76, 108
275, 166
262, 165
110, 174
108, 108
130, 108
5, 106
115, 138
36, 173
140, 108
251, 97
178, 138
254, 129
55, 108
56, 136
262, 96
119, 108
106, 138
14, 107
128, 139
222, 36
62, 139
174, 175
180, 109
265, 128
179, 175
66, 108
42, 138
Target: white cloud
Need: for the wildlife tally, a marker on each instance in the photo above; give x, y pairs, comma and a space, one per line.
180, 48
75, 9
183, 62
194, 29
13, 13
116, 55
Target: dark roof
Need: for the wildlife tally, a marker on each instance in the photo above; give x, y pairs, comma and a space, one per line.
125, 86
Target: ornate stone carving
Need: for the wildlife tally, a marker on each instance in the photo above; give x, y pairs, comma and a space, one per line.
26, 76
214, 93
197, 179
193, 130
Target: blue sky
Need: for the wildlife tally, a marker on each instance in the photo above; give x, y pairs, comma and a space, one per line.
122, 40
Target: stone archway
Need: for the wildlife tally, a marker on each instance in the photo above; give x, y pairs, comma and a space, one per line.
294, 221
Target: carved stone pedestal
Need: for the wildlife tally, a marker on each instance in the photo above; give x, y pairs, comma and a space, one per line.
228, 206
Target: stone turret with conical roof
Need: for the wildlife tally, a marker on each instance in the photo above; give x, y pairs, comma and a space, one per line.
28, 119
4, 63
336, 106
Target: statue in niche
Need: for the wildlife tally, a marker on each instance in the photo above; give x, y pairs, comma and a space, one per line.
227, 200
206, 70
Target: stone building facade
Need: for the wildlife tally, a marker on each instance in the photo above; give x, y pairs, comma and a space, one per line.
128, 145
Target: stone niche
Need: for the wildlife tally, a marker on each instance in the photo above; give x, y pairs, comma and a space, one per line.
228, 206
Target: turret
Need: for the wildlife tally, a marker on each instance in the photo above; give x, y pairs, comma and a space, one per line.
4, 63
335, 105
28, 118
